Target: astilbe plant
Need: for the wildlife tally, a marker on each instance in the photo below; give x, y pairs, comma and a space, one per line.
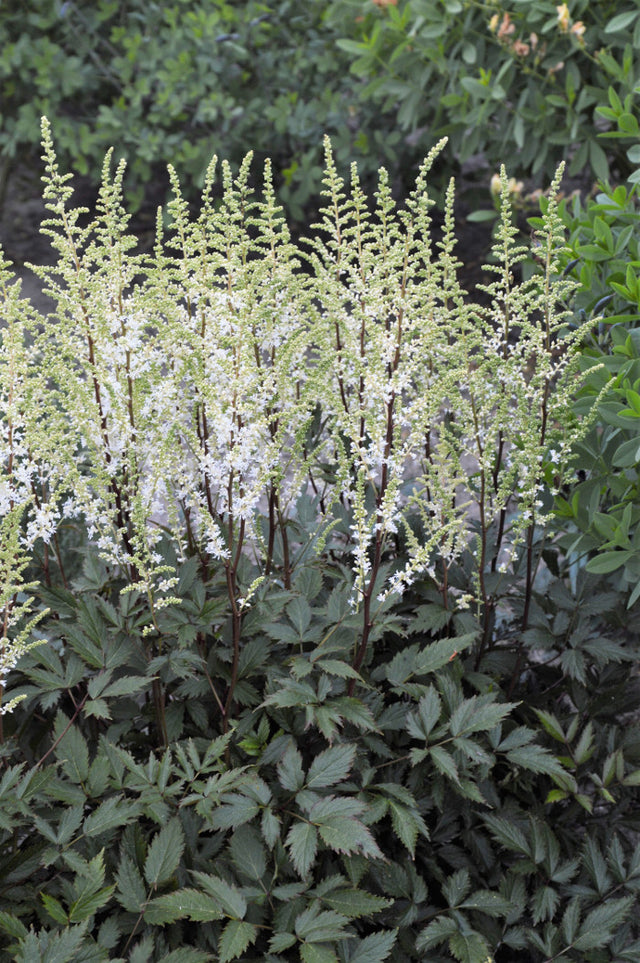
437, 408
27, 503
272, 719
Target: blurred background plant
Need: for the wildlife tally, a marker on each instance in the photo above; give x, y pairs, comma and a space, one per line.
178, 82
181, 81
602, 512
519, 81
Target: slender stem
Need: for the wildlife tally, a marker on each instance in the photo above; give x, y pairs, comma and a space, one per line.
73, 718
286, 557
377, 553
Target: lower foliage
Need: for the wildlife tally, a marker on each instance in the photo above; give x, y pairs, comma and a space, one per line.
442, 812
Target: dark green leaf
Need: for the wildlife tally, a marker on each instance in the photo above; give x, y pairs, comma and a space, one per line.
231, 901
290, 771
319, 926
302, 843
164, 853
597, 928
355, 903
233, 810
248, 853
469, 947
374, 948
435, 933
317, 953
181, 904
331, 766
131, 892
477, 714
234, 940
111, 813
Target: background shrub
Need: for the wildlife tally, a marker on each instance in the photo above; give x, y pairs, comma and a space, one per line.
601, 512
521, 81
179, 82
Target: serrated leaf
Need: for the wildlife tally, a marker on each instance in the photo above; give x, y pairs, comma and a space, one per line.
517, 738
182, 903
445, 763
128, 685
292, 694
340, 669
329, 806
507, 834
290, 771
317, 953
91, 653
111, 813
456, 887
331, 766
431, 617
439, 654
234, 810
270, 826
12, 926
412, 662
71, 750
536, 759
596, 866
97, 708
420, 724
248, 853
407, 825
281, 941
486, 901
571, 920
131, 893
374, 948
164, 853
435, 933
299, 611
234, 939
597, 928
187, 955
543, 904
54, 908
479, 713
356, 712
302, 843
230, 899
320, 926
346, 835
355, 903
469, 948
88, 903
142, 952
61, 946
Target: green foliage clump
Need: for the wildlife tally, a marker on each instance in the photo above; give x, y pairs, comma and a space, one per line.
601, 513
316, 682
177, 82
519, 80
